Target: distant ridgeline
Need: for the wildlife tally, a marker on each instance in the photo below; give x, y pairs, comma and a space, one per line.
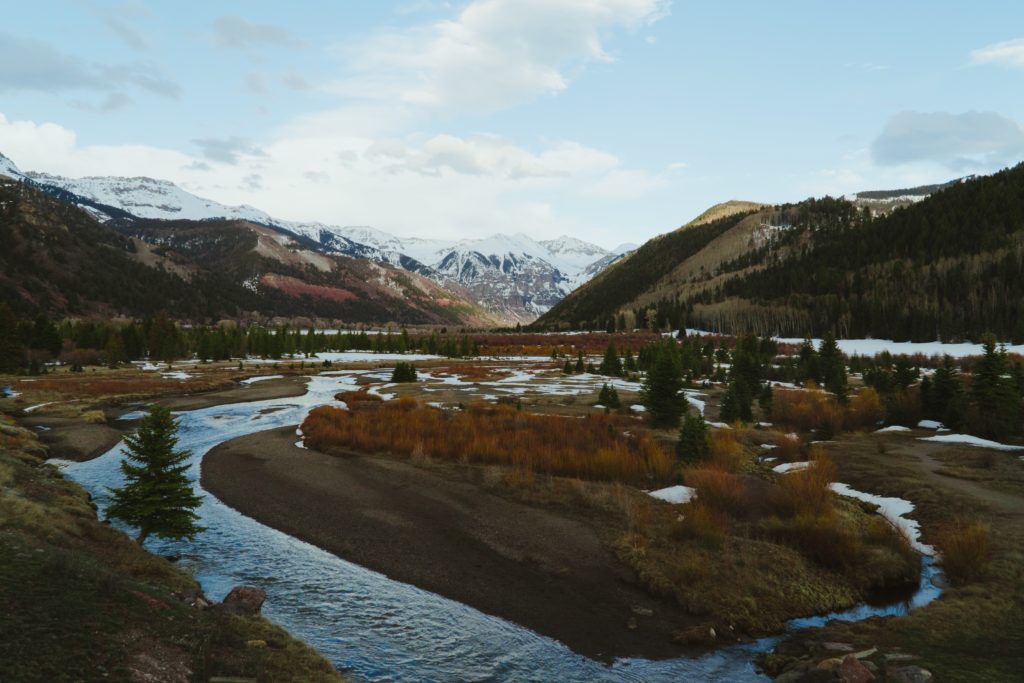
950, 267
58, 260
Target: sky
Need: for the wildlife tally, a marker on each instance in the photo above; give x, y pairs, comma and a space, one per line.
607, 120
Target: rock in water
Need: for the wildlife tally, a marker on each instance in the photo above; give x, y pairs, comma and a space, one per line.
245, 600
852, 671
910, 674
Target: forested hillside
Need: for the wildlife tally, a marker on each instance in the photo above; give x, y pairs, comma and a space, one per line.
58, 260
950, 266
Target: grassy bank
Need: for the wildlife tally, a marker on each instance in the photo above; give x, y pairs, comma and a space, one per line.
80, 601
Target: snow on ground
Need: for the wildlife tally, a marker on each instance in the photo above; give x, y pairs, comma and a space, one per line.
9, 392
134, 415
929, 424
177, 374
358, 356
691, 398
261, 378
893, 510
719, 425
792, 467
674, 494
892, 428
972, 441
637, 408
870, 347
38, 406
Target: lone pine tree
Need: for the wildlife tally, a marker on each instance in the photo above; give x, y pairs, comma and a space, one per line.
157, 498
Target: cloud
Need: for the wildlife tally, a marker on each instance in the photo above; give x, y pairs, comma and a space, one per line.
128, 35
1008, 53
493, 54
227, 150
29, 65
238, 33
443, 186
969, 141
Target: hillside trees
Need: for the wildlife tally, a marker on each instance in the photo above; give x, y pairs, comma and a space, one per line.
661, 387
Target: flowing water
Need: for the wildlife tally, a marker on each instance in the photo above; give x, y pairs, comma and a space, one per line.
375, 628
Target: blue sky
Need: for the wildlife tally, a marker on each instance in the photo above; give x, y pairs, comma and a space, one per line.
609, 120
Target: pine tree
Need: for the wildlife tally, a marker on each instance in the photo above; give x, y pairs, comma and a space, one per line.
996, 410
404, 372
694, 439
832, 367
611, 364
157, 498
609, 397
660, 392
579, 362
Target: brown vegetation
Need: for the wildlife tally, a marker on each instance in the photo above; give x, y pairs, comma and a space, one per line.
966, 550
594, 447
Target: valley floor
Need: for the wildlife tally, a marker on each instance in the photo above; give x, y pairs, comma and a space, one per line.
551, 569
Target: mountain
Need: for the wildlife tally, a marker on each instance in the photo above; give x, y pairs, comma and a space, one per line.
59, 259
949, 265
657, 267
513, 277
884, 201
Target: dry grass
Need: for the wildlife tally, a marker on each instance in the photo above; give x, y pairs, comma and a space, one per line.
865, 410
594, 447
805, 491
719, 490
727, 453
966, 550
807, 409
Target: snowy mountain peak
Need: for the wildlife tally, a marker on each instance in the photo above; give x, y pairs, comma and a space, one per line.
149, 198
513, 275
9, 168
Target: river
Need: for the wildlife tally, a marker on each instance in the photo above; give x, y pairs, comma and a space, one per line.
374, 628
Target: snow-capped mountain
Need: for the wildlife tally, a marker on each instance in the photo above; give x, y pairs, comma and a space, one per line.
512, 275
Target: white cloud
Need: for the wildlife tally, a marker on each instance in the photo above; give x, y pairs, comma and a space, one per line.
971, 141
495, 53
440, 186
1008, 53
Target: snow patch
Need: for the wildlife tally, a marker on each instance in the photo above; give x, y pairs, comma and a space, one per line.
971, 441
674, 494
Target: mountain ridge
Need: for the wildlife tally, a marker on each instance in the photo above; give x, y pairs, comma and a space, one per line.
515, 277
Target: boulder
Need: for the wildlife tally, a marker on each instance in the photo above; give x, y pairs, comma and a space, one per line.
852, 671
910, 674
818, 676
837, 647
245, 600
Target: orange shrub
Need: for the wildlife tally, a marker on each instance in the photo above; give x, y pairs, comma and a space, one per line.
821, 537
594, 447
807, 409
789, 447
864, 410
719, 490
966, 550
702, 523
726, 453
805, 491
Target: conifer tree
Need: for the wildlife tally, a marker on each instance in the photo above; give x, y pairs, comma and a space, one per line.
404, 372
609, 397
694, 439
157, 498
996, 410
611, 364
832, 367
660, 391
